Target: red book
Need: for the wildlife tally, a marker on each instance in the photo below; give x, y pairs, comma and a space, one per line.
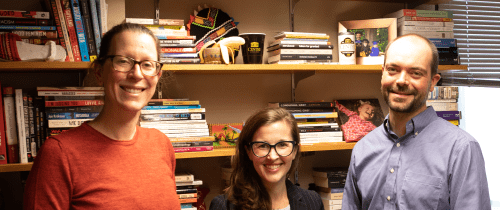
178, 50
52, 5
188, 200
24, 14
70, 25
193, 149
74, 103
3, 140
160, 36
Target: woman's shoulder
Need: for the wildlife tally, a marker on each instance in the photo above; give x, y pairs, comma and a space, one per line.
219, 202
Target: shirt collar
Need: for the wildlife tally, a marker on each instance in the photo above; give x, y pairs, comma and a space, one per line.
416, 124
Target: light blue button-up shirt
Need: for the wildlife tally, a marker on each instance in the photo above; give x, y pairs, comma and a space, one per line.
435, 165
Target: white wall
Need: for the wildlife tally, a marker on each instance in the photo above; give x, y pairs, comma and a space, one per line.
480, 118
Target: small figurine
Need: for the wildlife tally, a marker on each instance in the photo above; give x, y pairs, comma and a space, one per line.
365, 48
375, 49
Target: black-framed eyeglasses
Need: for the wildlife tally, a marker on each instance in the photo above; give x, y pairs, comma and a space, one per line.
125, 64
282, 148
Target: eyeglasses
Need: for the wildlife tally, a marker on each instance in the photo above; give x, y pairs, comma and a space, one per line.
282, 148
126, 64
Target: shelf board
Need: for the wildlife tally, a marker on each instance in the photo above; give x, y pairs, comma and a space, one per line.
15, 167
215, 68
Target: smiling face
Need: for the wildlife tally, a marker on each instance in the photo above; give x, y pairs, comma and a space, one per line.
366, 111
406, 78
130, 91
272, 168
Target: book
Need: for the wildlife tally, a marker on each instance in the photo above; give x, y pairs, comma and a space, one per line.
300, 51
168, 122
163, 102
71, 115
74, 109
171, 107
430, 34
444, 43
403, 22
26, 22
301, 104
444, 92
171, 32
24, 14
31, 28
188, 200
39, 34
185, 190
80, 30
66, 123
454, 122
178, 126
425, 28
74, 103
193, 149
432, 19
315, 115
163, 111
176, 41
192, 144
331, 202
280, 57
452, 106
64, 29
88, 27
146, 21
70, 91
309, 130
172, 116
184, 177
10, 125
330, 172
164, 27
177, 45
420, 13
188, 185
192, 139
3, 138
178, 55
317, 125
300, 46
32, 128
95, 24
301, 35
60, 35
449, 115
70, 25
23, 141
187, 195
178, 50
168, 37
180, 60
39, 41
312, 134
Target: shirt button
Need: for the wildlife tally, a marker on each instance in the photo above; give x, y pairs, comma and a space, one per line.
392, 170
397, 145
416, 133
388, 198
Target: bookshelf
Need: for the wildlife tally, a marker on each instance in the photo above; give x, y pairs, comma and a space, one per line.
215, 153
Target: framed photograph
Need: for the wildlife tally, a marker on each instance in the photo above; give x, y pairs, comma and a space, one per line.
357, 117
371, 38
225, 134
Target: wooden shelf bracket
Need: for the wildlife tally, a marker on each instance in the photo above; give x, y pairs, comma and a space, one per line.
292, 4
296, 77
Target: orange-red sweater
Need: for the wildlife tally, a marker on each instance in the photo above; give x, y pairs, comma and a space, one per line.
83, 169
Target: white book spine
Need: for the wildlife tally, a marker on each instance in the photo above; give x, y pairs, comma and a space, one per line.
426, 28
166, 111
322, 134
10, 120
67, 123
402, 22
430, 34
23, 150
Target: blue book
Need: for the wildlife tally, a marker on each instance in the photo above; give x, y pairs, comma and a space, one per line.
442, 43
80, 30
95, 23
30, 28
71, 115
172, 107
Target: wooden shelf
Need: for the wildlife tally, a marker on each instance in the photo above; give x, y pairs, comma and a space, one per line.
216, 68
15, 167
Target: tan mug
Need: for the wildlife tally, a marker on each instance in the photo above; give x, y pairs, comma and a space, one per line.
212, 56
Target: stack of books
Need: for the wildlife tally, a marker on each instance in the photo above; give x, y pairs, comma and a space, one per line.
177, 47
183, 121
300, 47
69, 107
316, 120
186, 190
437, 26
330, 185
444, 100
34, 27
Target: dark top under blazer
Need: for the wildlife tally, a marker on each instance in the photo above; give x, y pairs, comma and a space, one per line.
299, 199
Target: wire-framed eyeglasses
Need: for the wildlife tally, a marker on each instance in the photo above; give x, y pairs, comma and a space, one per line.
125, 64
282, 148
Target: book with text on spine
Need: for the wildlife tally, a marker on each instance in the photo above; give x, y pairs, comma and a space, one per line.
10, 125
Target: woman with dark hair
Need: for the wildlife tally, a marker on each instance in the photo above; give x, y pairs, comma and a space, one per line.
267, 153
110, 162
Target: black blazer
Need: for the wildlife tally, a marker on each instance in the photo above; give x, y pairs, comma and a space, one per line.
299, 199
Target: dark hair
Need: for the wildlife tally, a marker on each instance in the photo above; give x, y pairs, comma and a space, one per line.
246, 190
359, 32
435, 55
109, 35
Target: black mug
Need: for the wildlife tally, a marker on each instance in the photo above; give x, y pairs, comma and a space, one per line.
253, 49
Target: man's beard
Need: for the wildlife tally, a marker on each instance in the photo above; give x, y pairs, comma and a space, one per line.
416, 103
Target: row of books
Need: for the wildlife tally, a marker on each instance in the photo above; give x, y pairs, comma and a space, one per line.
187, 190
182, 120
316, 121
300, 47
329, 184
177, 46
444, 100
27, 120
437, 26
76, 25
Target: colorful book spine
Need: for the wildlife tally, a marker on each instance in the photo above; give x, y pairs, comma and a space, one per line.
193, 149
24, 14
145, 21
95, 23
420, 13
159, 102
178, 50
180, 60
26, 22
301, 104
174, 116
70, 26
38, 34
31, 28
168, 37
71, 115
10, 125
449, 115
176, 41
89, 31
23, 152
80, 30
69, 123
62, 32
444, 43
432, 19
165, 111
172, 107
74, 103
